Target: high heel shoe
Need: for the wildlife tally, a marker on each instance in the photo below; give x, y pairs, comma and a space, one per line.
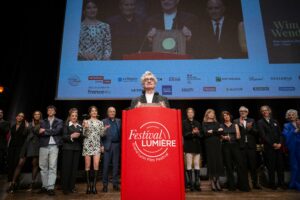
11, 188
218, 186
213, 186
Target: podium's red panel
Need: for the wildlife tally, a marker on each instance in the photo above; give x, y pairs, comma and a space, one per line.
152, 156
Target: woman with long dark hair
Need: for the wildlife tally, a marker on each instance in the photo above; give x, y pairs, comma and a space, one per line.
232, 154
93, 130
95, 37
18, 134
30, 149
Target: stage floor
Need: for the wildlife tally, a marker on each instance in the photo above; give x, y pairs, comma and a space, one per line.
264, 194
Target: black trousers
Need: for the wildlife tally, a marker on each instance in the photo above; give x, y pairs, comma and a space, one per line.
3, 160
233, 159
249, 157
70, 161
274, 163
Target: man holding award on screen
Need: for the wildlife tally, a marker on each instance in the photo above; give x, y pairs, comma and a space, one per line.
149, 96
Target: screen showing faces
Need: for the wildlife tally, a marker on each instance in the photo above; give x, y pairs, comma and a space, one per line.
197, 49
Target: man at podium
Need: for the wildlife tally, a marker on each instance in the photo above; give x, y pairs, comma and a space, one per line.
149, 94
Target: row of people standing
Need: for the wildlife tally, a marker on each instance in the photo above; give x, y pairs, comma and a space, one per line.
42, 140
232, 144
219, 36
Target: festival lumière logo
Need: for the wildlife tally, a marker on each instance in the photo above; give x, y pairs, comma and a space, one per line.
151, 141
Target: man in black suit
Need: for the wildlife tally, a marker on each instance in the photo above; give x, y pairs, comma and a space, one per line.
112, 147
218, 35
126, 30
248, 142
172, 19
50, 140
272, 138
149, 95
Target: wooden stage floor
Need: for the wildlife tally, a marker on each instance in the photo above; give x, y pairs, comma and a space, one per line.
264, 194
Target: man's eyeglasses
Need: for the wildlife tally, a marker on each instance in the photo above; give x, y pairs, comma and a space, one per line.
148, 79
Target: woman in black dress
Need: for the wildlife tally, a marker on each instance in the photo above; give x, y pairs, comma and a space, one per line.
72, 140
232, 154
30, 149
18, 134
212, 132
192, 148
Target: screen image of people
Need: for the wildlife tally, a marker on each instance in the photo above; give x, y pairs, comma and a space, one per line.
208, 29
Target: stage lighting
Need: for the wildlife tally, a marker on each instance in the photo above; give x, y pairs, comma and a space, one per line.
1, 89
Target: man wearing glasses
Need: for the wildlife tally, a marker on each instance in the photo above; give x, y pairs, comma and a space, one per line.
249, 137
149, 94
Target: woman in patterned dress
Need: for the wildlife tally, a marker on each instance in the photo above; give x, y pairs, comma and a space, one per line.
95, 37
93, 129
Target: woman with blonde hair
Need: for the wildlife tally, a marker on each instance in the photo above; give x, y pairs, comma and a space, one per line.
212, 132
291, 133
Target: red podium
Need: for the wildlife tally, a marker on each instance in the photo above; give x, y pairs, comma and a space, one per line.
152, 155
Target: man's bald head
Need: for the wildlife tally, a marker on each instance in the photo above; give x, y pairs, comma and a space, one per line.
111, 112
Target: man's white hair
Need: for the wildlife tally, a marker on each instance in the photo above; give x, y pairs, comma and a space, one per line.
148, 73
244, 108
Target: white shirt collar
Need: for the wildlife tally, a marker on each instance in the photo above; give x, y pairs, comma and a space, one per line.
75, 124
168, 20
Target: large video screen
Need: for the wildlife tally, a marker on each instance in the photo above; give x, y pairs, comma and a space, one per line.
196, 48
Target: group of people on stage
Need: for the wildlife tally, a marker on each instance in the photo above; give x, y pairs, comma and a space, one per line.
217, 36
43, 139
230, 144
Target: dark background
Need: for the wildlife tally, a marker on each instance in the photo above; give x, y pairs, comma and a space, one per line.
31, 53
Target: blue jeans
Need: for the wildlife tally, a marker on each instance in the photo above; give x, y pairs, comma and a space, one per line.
48, 164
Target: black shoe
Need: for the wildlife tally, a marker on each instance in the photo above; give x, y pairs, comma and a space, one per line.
274, 187
218, 186
42, 191
283, 187
213, 186
256, 187
11, 188
51, 192
31, 187
74, 190
104, 188
116, 188
66, 192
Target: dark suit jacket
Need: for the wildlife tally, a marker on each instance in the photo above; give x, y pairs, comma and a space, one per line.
250, 133
270, 133
228, 45
68, 144
4, 129
55, 132
182, 19
156, 99
107, 139
192, 142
